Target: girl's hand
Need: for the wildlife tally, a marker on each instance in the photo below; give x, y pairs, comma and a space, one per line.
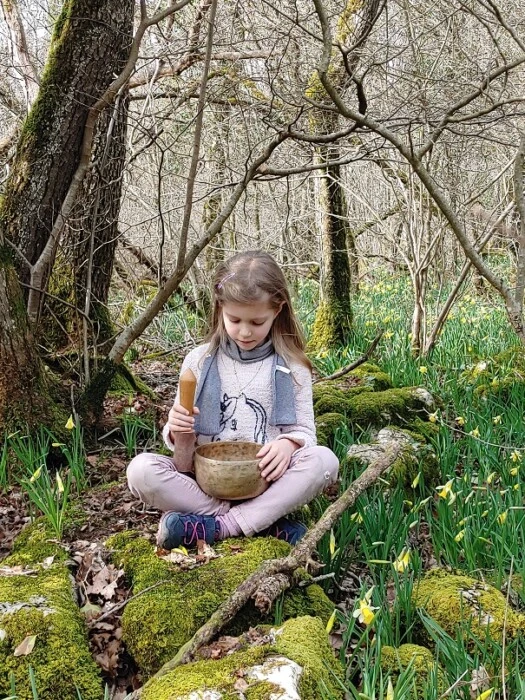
276, 456
179, 419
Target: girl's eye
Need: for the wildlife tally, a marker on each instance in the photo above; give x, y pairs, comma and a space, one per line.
258, 323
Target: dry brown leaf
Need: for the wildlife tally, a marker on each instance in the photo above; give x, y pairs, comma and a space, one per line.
480, 681
105, 582
26, 646
240, 685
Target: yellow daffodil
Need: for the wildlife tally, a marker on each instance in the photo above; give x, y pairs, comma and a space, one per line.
446, 490
474, 432
423, 369
485, 695
491, 477
60, 483
514, 471
469, 496
516, 456
433, 417
332, 544
460, 420
516, 487
388, 334
459, 536
416, 480
502, 517
36, 475
484, 514
496, 420
365, 612
402, 562
390, 690
330, 622
357, 517
70, 423
494, 382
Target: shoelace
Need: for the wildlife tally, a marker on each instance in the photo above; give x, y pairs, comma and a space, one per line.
194, 536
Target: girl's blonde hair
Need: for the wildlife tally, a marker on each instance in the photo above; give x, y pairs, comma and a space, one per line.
244, 279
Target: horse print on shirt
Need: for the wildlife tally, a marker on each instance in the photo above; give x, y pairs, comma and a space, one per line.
230, 408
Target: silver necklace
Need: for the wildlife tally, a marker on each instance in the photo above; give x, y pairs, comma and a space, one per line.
240, 390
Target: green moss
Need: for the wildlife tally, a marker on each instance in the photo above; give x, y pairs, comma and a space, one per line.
326, 426
61, 659
380, 407
373, 376
393, 661
302, 640
262, 690
332, 325
416, 458
125, 382
35, 543
449, 598
424, 428
6, 256
156, 624
376, 408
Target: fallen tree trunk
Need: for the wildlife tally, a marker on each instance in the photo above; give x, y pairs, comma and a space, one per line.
275, 575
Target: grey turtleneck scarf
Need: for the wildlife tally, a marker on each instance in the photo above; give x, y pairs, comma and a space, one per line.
208, 394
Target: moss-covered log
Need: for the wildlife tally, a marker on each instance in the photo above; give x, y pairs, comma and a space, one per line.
42, 604
453, 599
157, 624
302, 640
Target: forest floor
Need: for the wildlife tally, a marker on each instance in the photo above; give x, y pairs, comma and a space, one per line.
106, 507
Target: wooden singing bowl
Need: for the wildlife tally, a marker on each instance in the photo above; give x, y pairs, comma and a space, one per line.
229, 470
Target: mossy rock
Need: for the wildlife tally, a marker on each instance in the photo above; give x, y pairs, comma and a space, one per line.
372, 376
427, 673
416, 458
449, 598
377, 408
366, 377
302, 640
155, 625
42, 604
498, 375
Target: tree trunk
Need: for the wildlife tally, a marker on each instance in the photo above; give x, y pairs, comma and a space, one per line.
333, 320
21, 375
80, 66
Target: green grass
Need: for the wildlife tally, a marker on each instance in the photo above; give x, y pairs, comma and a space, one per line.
477, 526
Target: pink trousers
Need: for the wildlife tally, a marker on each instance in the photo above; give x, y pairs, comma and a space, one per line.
155, 480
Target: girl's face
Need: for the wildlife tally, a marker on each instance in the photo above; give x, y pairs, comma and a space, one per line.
248, 324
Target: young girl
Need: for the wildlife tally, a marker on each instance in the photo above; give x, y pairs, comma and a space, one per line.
254, 384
